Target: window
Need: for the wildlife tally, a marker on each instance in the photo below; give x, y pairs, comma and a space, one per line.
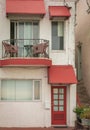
58, 35
20, 90
24, 32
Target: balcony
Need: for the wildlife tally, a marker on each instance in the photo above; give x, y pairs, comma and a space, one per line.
23, 52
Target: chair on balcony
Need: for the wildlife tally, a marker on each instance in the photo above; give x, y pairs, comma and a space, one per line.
10, 50
40, 49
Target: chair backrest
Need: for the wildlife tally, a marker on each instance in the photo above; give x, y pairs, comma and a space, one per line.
40, 48
10, 48
7, 47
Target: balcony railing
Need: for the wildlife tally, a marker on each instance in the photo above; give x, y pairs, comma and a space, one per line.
25, 48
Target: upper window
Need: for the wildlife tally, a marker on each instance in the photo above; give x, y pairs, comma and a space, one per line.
20, 90
24, 32
58, 35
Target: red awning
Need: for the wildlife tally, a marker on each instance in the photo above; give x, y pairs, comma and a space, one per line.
62, 74
59, 11
25, 7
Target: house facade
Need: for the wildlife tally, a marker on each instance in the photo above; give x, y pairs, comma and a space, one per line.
37, 64
82, 34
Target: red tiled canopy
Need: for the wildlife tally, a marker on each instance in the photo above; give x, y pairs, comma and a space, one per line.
59, 11
63, 74
35, 7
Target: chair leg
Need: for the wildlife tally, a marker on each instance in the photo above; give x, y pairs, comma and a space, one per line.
6, 54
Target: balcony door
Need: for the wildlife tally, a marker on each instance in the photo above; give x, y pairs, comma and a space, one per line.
24, 31
58, 103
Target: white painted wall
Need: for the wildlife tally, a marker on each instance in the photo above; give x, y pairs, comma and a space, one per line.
4, 24
26, 114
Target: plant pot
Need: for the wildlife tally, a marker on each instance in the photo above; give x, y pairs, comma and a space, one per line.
85, 121
79, 119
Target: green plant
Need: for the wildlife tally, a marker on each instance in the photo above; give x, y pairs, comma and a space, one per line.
78, 110
86, 113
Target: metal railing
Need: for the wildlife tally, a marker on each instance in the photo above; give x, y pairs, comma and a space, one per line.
25, 48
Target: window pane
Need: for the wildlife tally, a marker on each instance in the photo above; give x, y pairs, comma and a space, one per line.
27, 32
36, 90
55, 90
24, 90
57, 35
61, 96
8, 90
61, 102
35, 30
55, 102
61, 90
61, 108
20, 35
54, 28
55, 108
55, 96
60, 29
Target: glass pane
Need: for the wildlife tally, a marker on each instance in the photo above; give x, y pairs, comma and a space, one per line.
55, 102
54, 28
20, 35
36, 90
55, 90
61, 108
35, 30
61, 96
8, 90
60, 29
55, 96
61, 102
54, 36
55, 108
57, 35
27, 32
61, 90
61, 43
24, 90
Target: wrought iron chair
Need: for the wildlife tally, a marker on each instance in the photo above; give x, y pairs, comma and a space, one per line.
10, 49
40, 49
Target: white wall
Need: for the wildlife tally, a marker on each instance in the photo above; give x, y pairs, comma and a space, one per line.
4, 24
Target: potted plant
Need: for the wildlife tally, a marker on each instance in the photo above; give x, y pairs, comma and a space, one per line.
78, 110
85, 116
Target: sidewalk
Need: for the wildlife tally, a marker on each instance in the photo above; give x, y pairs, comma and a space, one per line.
50, 128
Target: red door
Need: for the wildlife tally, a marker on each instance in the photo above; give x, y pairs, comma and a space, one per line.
58, 103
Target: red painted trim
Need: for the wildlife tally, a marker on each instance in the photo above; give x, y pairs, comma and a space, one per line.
25, 62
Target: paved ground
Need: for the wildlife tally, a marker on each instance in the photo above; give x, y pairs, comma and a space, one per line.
50, 128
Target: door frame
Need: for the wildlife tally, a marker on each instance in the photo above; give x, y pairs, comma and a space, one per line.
65, 88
